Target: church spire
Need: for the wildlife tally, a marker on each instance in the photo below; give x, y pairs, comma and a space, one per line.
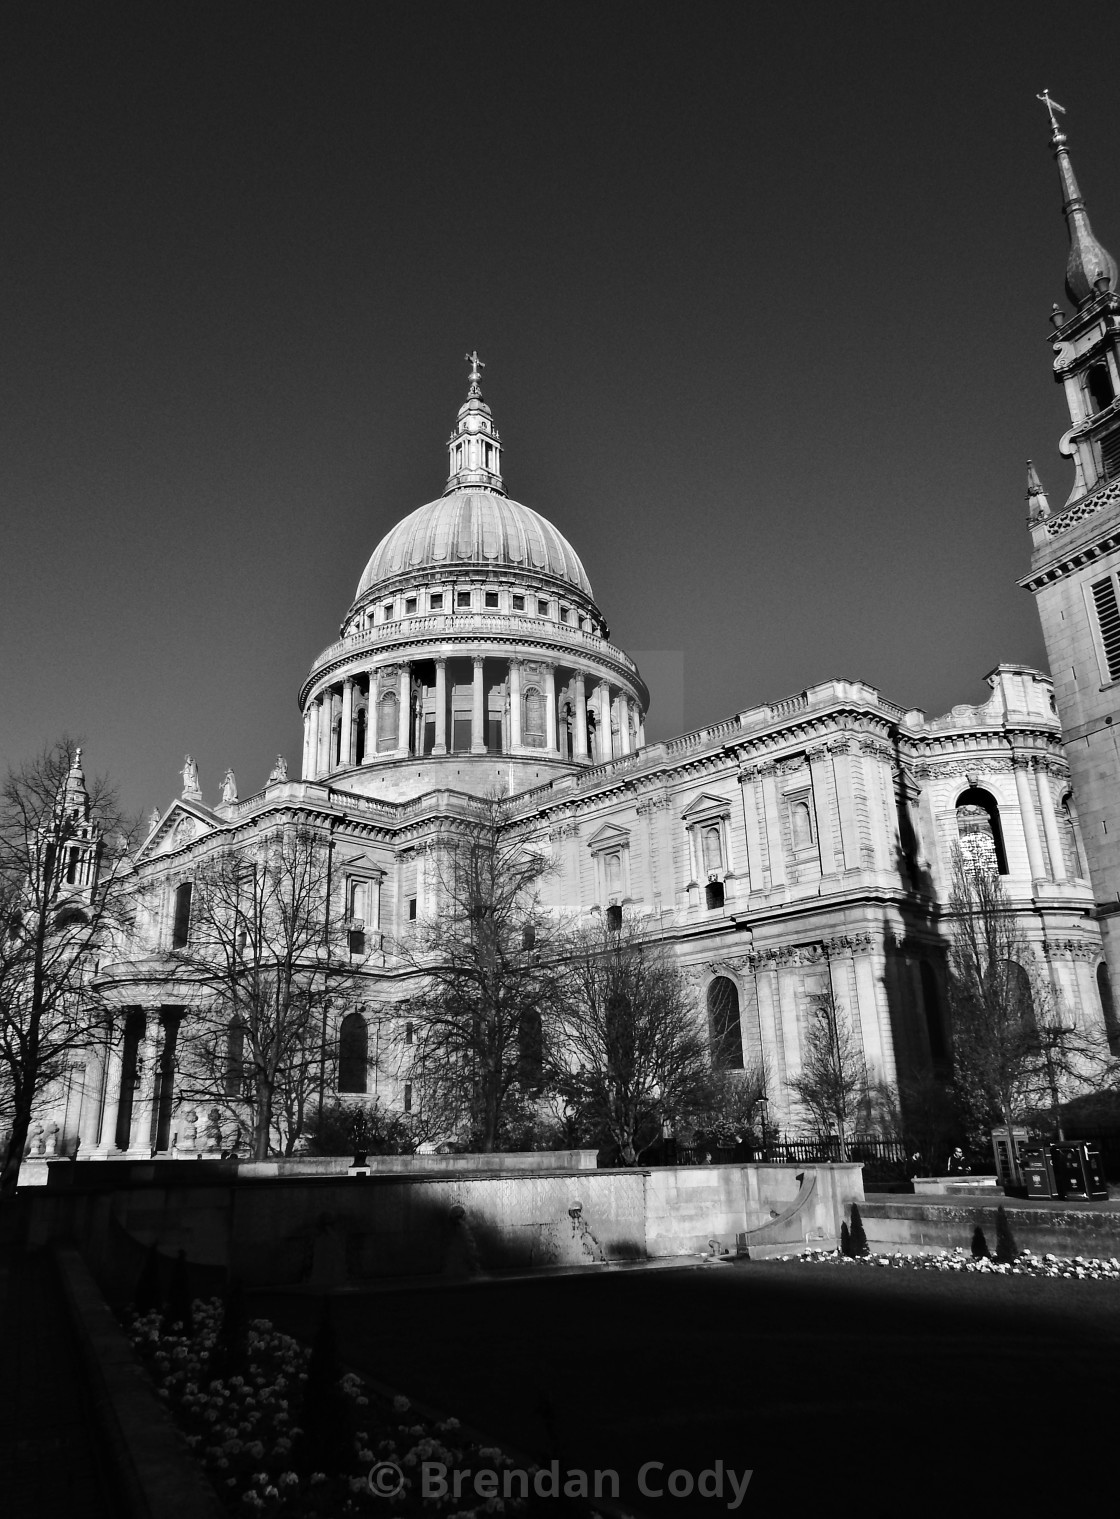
1089, 262
474, 449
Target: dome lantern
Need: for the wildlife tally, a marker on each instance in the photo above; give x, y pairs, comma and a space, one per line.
474, 448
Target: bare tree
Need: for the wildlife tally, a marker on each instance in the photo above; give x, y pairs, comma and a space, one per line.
1015, 1051
65, 883
738, 1099
265, 963
833, 1081
485, 962
629, 1044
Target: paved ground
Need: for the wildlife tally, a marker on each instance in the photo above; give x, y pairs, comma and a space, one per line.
52, 1462
851, 1390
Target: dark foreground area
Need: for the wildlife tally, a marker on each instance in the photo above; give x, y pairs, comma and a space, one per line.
845, 1390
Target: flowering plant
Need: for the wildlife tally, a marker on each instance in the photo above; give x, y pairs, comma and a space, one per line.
249, 1428
1026, 1263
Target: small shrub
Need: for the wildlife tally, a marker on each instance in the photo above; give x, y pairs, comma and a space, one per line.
858, 1235
980, 1249
147, 1295
179, 1309
1006, 1249
845, 1240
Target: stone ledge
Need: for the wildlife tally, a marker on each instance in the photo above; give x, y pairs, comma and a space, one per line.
158, 1476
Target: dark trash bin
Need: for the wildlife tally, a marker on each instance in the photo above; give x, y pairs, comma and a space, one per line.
1038, 1172
1077, 1169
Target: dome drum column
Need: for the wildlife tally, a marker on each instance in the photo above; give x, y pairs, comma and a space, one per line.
346, 737
440, 744
404, 711
515, 706
478, 706
606, 751
580, 716
308, 729
550, 709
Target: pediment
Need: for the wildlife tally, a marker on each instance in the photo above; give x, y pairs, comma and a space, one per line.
181, 824
608, 836
706, 805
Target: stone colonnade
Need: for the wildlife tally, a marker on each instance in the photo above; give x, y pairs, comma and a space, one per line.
124, 1098
468, 704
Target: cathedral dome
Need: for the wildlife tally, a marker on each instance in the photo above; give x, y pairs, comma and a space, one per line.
474, 529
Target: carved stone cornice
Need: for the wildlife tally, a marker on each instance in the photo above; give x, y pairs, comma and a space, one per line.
1071, 949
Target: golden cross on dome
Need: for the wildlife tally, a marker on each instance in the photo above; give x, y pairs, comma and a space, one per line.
476, 364
1051, 106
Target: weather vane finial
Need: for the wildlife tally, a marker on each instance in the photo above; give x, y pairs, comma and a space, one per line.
476, 365
1051, 106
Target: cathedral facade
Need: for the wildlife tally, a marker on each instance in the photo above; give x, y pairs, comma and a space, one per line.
798, 847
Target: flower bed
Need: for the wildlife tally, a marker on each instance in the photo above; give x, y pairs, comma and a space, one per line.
1026, 1263
261, 1436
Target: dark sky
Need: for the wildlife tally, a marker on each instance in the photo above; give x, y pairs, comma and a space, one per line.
761, 288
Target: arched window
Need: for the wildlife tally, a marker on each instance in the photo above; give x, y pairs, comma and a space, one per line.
979, 830
1067, 819
234, 1075
713, 850
801, 825
1100, 386
181, 928
1016, 990
724, 1028
533, 720
353, 1053
1108, 1008
388, 721
931, 1004
613, 865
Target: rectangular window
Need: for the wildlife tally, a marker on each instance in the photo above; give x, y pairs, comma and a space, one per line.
181, 930
412, 909
461, 735
565, 613
359, 898
518, 603
463, 599
542, 607
409, 606
388, 611
492, 599
1108, 619
357, 943
435, 601
408, 1096
1110, 454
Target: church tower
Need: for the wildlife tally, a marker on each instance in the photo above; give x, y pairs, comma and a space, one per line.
1075, 560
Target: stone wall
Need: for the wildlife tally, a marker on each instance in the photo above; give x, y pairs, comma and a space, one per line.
324, 1231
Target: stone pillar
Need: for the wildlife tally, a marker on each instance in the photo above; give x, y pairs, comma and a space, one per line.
747, 786
143, 1107
346, 745
440, 745
115, 1066
623, 723
845, 801
404, 709
93, 1083
606, 747
550, 708
514, 705
773, 825
478, 708
818, 770
1026, 812
1050, 823
641, 731
308, 739
581, 717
